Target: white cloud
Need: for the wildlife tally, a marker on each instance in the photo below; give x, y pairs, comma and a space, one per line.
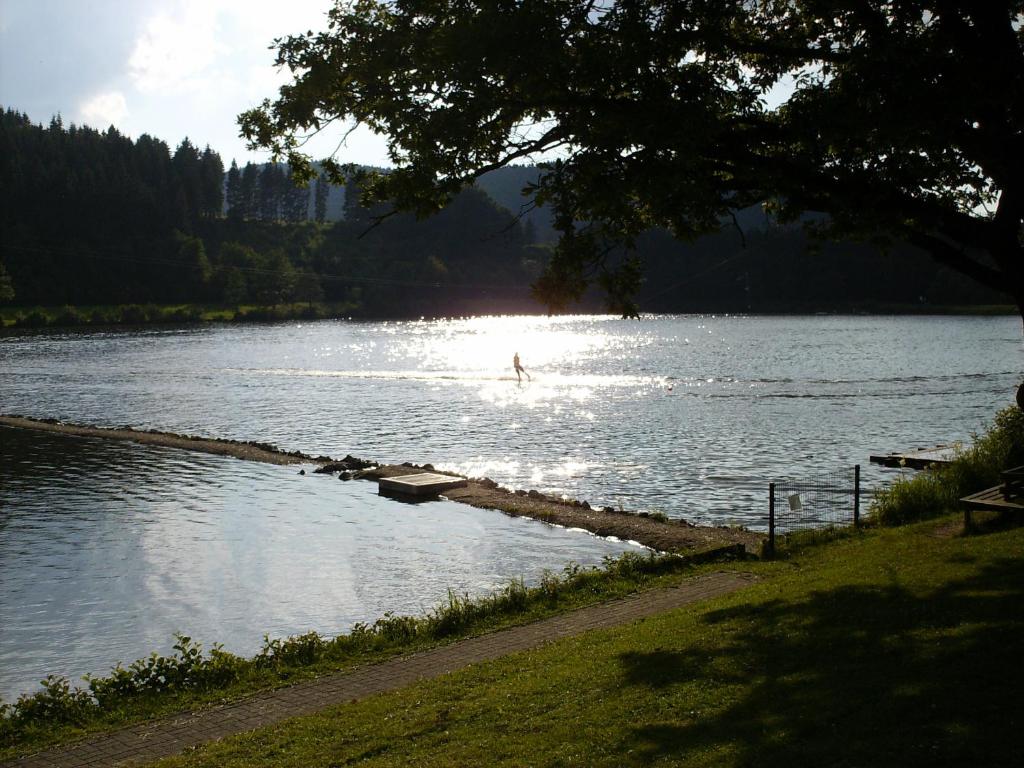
176, 48
104, 109
189, 67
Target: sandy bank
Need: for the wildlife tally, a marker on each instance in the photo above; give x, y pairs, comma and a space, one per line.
665, 536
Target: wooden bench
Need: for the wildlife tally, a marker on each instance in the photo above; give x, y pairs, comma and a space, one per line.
1013, 482
1007, 497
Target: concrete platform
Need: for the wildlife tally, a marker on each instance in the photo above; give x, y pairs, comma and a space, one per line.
423, 484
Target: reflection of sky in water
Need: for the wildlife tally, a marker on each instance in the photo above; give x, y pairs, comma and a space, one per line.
109, 548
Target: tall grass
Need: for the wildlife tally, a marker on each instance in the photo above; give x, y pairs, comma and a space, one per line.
938, 490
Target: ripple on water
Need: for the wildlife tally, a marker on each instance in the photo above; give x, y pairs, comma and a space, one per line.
108, 548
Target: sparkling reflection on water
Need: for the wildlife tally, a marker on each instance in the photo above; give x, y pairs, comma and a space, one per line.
688, 415
107, 549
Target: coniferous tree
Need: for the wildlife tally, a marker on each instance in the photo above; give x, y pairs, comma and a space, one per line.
271, 187
234, 192
250, 192
153, 163
211, 174
320, 192
296, 200
189, 184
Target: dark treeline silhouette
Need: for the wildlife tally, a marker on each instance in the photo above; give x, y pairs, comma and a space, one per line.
93, 218
267, 193
755, 264
771, 268
90, 217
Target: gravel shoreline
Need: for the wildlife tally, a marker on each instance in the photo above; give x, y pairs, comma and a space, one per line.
671, 535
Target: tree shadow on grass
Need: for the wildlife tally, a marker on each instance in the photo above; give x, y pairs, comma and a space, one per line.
851, 676
985, 523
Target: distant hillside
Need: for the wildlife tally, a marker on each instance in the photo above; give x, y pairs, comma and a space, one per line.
754, 264
505, 185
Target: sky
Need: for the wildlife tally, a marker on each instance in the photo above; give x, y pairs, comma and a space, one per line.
169, 68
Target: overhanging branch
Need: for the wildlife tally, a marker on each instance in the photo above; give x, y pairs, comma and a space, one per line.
956, 259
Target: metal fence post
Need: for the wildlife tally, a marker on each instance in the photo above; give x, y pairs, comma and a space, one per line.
856, 495
771, 519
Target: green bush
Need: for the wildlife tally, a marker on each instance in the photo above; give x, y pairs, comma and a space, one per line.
58, 702
34, 319
133, 314
296, 650
101, 316
938, 490
182, 315
69, 316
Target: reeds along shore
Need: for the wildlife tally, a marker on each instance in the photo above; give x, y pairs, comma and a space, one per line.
657, 532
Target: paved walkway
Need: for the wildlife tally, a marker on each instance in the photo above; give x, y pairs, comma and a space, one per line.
153, 740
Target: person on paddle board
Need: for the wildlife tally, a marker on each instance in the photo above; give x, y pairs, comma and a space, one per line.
519, 369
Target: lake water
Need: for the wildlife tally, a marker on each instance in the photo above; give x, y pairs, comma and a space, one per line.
108, 548
115, 546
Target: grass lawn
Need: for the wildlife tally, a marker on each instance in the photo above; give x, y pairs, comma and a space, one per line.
895, 647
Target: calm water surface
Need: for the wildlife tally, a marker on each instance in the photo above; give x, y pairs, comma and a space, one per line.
688, 415
107, 549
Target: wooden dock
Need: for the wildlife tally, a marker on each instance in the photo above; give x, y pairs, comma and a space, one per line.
920, 458
421, 485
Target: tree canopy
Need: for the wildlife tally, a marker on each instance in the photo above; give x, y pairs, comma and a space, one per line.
901, 120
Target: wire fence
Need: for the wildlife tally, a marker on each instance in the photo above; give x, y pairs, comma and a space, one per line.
823, 500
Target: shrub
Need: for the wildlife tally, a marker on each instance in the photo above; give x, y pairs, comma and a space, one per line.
69, 316
297, 650
133, 314
58, 702
263, 314
936, 491
183, 315
34, 319
103, 317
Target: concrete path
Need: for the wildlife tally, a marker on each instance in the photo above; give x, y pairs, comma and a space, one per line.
150, 741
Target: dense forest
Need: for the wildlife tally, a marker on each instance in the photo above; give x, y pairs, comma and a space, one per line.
95, 218
92, 218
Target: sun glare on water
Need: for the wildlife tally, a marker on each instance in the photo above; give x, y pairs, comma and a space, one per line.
559, 356
566, 360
